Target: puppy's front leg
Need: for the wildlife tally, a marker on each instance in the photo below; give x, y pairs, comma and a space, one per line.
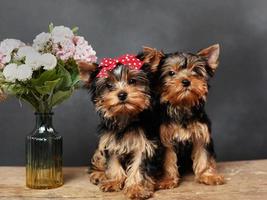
136, 186
115, 176
204, 165
98, 167
170, 177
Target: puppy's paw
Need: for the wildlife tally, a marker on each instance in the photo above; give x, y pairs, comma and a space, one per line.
112, 185
211, 179
167, 183
138, 191
97, 177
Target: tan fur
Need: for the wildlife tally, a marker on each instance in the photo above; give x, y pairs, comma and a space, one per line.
115, 176
97, 177
211, 179
137, 144
171, 175
98, 160
3, 96
176, 94
114, 185
196, 70
167, 133
124, 147
204, 166
175, 63
131, 142
136, 185
137, 99
114, 169
97, 173
85, 70
195, 131
173, 91
138, 191
170, 163
212, 55
152, 57
134, 174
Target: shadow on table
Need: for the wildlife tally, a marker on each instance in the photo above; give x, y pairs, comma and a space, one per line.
69, 177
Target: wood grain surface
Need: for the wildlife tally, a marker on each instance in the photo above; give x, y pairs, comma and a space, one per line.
246, 180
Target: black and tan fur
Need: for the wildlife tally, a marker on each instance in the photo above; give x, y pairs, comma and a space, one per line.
180, 81
125, 144
3, 96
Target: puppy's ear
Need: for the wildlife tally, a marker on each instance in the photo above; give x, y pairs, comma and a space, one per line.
212, 55
87, 72
3, 96
152, 57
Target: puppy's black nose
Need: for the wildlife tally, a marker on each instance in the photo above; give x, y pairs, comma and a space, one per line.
186, 82
122, 96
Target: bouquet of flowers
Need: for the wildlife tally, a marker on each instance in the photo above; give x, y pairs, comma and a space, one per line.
46, 72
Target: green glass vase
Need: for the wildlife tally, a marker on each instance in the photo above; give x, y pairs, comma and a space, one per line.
44, 155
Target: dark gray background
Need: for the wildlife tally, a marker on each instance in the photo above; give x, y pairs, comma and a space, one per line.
236, 103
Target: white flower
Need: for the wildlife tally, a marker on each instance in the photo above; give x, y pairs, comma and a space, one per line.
48, 61
21, 72
24, 51
10, 72
41, 41
34, 60
37, 60
24, 72
61, 33
7, 46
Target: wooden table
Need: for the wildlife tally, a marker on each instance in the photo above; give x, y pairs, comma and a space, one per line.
245, 180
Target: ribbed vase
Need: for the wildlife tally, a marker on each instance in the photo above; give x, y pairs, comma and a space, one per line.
44, 155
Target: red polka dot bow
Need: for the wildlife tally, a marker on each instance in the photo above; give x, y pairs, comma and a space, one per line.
108, 64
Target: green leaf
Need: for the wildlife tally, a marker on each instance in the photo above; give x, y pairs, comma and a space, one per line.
66, 80
72, 67
31, 100
75, 30
75, 76
48, 75
2, 75
48, 87
76, 80
16, 89
60, 96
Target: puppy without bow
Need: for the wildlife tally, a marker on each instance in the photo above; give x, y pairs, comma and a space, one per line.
121, 94
181, 83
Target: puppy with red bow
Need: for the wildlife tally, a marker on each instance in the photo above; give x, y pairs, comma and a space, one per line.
121, 94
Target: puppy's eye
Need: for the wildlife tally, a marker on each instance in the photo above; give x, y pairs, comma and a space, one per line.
171, 73
132, 81
109, 85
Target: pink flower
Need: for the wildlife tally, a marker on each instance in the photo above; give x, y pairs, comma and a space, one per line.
64, 50
83, 51
3, 59
77, 48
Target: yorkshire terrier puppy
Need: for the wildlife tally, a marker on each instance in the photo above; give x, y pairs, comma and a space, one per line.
121, 94
181, 83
